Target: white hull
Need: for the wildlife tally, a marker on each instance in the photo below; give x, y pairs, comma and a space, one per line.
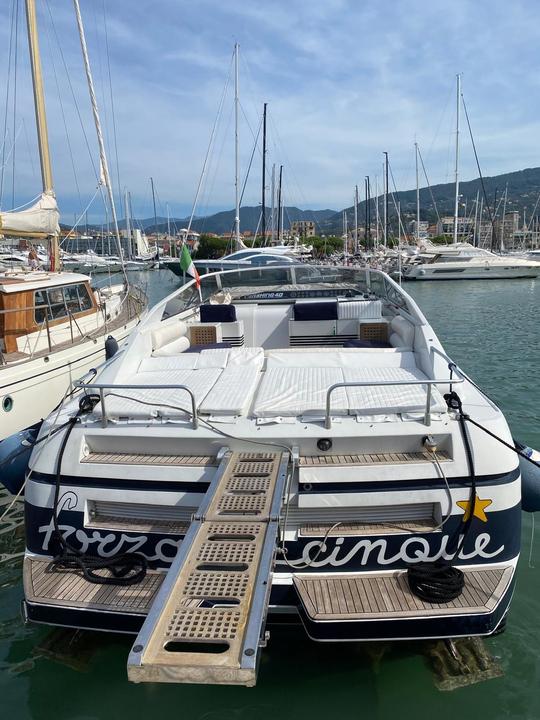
37, 386
483, 272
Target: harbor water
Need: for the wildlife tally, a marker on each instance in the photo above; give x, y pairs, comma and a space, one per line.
491, 329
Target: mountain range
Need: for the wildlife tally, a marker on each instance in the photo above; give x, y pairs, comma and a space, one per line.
523, 194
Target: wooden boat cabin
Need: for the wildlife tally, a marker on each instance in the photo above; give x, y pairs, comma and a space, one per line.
40, 309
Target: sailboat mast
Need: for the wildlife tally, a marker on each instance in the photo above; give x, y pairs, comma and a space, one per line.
41, 121
417, 194
128, 225
154, 205
377, 210
368, 203
456, 203
356, 218
385, 205
366, 215
280, 217
236, 184
273, 210
103, 157
263, 223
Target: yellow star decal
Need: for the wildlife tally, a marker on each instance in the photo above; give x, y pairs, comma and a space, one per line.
478, 509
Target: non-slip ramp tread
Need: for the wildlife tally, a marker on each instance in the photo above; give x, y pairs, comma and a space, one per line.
206, 622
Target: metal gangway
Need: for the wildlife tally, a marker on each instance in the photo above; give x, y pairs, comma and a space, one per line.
207, 623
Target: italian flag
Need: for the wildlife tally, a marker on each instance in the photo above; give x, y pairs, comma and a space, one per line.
187, 265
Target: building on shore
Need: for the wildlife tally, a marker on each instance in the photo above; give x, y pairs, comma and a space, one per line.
303, 228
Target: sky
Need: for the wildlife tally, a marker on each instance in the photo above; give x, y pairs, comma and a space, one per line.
344, 81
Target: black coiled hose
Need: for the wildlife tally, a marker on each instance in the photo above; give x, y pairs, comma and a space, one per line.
440, 582
436, 582
123, 568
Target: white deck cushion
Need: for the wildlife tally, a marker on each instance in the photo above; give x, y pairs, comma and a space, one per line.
173, 348
344, 357
233, 392
246, 356
293, 391
404, 329
166, 333
390, 398
355, 309
212, 358
151, 402
184, 361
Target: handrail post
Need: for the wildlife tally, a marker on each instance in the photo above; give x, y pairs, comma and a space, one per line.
427, 415
48, 330
103, 411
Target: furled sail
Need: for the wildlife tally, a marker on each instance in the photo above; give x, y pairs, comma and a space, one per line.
41, 218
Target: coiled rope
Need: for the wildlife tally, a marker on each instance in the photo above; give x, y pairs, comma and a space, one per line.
123, 568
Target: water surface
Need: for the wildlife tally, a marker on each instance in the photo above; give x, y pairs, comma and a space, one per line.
491, 329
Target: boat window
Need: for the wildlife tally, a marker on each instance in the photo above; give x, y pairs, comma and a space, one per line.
59, 302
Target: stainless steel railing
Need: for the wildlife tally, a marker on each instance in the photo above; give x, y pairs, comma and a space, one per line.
384, 383
101, 387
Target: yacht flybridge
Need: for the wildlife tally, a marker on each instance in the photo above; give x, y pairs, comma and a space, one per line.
281, 441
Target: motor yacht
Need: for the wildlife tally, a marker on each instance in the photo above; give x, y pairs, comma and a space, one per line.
273, 444
464, 261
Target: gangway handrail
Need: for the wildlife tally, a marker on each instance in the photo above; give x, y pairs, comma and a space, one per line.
111, 386
379, 383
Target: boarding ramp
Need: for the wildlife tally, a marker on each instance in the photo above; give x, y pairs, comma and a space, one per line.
207, 621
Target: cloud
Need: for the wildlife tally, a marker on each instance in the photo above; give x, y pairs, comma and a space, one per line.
344, 82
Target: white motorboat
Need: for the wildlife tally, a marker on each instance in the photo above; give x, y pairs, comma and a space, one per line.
290, 443
463, 261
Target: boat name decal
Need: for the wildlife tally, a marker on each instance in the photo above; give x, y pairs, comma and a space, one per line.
315, 554
108, 544
413, 550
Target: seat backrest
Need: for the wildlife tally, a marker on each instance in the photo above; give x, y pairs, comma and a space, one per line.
402, 332
217, 313
326, 310
168, 332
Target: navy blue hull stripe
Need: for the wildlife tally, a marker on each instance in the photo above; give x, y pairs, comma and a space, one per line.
337, 487
378, 485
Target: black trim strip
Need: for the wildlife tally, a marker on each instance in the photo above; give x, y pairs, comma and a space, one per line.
118, 484
381, 485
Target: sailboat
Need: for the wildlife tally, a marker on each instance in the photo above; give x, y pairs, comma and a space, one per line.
461, 260
242, 255
54, 326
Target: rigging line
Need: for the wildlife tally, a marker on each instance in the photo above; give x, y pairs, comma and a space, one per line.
15, 73
8, 158
491, 218
255, 145
290, 167
78, 220
209, 190
30, 153
112, 99
53, 65
5, 130
210, 146
76, 104
429, 185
